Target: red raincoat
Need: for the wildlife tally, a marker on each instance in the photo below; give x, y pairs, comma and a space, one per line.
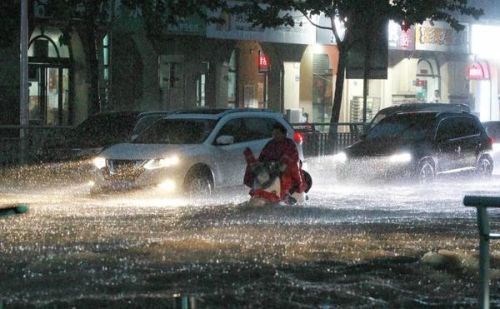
285, 151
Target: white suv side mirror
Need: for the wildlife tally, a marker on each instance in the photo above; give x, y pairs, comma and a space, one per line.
225, 140
133, 137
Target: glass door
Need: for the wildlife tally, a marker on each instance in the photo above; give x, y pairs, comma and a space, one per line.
48, 95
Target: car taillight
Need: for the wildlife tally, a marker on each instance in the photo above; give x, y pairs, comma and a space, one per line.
297, 137
491, 140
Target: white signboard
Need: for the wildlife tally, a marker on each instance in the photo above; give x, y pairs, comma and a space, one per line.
441, 37
237, 28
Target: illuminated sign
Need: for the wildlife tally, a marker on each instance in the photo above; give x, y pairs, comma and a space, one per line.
400, 39
439, 36
478, 71
263, 62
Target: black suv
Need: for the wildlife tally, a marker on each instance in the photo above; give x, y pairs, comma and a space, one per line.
419, 145
417, 107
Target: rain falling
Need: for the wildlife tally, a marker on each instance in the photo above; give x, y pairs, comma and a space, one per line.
369, 244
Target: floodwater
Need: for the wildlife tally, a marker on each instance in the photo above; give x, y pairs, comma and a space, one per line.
354, 245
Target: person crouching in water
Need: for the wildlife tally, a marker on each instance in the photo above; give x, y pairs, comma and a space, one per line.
283, 150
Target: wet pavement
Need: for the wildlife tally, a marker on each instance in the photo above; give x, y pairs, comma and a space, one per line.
354, 245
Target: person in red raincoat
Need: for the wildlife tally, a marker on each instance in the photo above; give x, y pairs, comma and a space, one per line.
283, 149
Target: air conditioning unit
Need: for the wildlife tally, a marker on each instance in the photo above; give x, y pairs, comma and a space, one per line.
294, 115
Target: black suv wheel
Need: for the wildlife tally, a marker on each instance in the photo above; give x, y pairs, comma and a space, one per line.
425, 173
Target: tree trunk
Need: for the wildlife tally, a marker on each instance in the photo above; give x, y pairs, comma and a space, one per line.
339, 87
337, 99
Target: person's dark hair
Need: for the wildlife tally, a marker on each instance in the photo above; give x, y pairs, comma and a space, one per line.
280, 127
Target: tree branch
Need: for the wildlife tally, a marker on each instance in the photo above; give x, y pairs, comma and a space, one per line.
313, 23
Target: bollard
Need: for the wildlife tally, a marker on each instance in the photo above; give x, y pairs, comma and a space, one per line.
8, 210
482, 203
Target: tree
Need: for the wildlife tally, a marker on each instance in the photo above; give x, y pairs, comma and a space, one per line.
94, 17
359, 14
10, 15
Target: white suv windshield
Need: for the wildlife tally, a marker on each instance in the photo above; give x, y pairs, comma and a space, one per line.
177, 131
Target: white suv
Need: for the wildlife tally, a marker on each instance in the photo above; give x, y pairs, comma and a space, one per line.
189, 151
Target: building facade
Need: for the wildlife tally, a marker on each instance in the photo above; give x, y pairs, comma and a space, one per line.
289, 70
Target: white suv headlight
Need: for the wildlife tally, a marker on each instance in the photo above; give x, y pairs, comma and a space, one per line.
161, 163
403, 157
99, 162
340, 157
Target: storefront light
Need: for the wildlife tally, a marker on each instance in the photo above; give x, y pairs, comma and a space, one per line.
484, 43
318, 49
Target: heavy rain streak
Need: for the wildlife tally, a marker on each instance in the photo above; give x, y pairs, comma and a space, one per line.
358, 244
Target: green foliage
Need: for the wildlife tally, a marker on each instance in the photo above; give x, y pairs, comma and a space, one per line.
266, 13
96, 14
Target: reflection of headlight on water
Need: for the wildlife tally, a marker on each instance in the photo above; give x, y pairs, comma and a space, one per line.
167, 185
400, 158
99, 162
340, 157
161, 163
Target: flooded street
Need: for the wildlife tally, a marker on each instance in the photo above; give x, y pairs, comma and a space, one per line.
352, 246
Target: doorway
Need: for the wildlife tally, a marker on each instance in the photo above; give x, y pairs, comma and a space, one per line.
428, 82
49, 95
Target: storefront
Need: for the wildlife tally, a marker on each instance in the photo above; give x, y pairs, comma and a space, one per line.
49, 78
483, 71
427, 64
290, 70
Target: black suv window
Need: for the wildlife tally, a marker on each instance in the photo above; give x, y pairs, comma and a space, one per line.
411, 126
469, 126
456, 127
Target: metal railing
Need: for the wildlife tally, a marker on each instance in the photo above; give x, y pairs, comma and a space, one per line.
36, 137
318, 142
481, 203
316, 136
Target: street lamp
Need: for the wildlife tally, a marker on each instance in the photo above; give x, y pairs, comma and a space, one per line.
23, 94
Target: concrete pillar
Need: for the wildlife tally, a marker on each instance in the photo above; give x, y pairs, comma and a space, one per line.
221, 84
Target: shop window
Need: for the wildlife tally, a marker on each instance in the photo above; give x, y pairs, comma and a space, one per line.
45, 43
200, 90
322, 88
106, 76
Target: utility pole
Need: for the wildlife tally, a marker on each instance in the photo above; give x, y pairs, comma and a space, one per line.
23, 91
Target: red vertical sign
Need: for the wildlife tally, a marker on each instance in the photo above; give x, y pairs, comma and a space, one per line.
263, 62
